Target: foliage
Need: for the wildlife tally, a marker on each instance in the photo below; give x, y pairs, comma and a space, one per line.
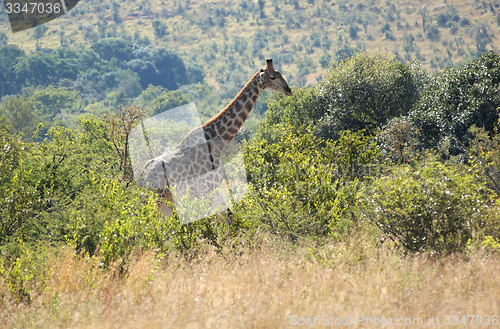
160, 29
429, 207
39, 69
10, 56
112, 68
19, 201
293, 192
52, 101
485, 153
25, 272
303, 108
40, 182
39, 32
356, 155
159, 67
457, 98
126, 224
367, 90
119, 127
301, 185
109, 48
168, 100
482, 35
20, 116
491, 244
399, 140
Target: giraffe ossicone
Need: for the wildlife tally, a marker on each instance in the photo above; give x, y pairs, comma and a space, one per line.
191, 172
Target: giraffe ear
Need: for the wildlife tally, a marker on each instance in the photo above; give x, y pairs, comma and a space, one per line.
269, 62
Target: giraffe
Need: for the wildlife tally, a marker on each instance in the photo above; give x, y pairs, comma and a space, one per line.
197, 156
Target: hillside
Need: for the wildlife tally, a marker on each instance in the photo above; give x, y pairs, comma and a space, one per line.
231, 39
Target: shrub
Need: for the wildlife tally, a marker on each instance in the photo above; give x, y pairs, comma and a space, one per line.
303, 108
300, 184
20, 200
367, 90
485, 153
458, 98
24, 270
432, 207
399, 141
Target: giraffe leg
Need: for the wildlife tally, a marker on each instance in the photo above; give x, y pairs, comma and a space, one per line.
229, 219
164, 209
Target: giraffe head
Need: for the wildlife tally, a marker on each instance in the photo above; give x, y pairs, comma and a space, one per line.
273, 79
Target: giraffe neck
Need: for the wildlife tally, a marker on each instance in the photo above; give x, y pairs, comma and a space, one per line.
222, 128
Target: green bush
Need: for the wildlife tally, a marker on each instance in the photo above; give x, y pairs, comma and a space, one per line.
458, 98
362, 92
303, 108
485, 153
399, 140
20, 199
24, 270
301, 184
366, 90
127, 224
430, 207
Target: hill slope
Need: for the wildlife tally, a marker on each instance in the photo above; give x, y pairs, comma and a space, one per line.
230, 39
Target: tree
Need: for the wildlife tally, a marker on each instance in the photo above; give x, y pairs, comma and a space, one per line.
169, 100
19, 200
109, 48
482, 35
119, 127
42, 70
345, 52
432, 207
303, 109
52, 101
3, 38
39, 32
458, 98
21, 118
367, 90
9, 57
424, 12
353, 31
324, 60
160, 29
261, 4
159, 67
102, 25
62, 38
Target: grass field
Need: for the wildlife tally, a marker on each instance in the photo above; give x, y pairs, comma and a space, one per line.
267, 285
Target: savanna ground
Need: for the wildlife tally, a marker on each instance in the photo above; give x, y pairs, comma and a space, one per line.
263, 285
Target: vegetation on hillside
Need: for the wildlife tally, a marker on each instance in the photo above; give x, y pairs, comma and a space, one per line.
231, 38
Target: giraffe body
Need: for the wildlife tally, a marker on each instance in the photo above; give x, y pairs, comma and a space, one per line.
193, 167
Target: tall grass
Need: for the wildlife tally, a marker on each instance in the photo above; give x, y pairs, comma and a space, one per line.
265, 284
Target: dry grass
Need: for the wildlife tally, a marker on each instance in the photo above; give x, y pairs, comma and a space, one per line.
262, 288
